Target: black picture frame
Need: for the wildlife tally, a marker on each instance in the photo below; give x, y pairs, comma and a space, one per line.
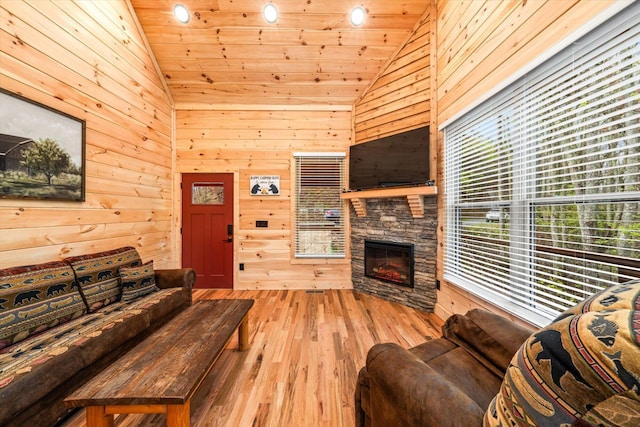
42, 151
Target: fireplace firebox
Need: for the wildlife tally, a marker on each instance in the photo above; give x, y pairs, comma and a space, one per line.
389, 261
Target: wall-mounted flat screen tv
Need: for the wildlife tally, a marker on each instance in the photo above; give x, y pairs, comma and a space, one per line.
391, 161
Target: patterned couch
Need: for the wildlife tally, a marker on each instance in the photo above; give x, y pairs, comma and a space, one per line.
581, 370
63, 321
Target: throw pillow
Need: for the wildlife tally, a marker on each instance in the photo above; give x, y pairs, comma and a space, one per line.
35, 298
137, 281
583, 369
97, 274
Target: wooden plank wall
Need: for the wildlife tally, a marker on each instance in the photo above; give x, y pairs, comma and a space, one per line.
480, 44
399, 98
89, 60
261, 141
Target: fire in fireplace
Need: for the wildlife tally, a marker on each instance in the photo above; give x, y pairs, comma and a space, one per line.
389, 261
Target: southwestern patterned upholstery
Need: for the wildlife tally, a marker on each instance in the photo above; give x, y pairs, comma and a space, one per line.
98, 275
137, 281
36, 298
581, 370
47, 354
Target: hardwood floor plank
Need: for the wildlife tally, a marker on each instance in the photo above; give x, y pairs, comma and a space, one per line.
305, 351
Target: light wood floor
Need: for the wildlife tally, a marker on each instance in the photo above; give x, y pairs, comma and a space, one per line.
306, 351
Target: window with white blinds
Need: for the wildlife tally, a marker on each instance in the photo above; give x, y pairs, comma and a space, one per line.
319, 226
542, 180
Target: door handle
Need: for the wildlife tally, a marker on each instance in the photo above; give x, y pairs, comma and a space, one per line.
228, 240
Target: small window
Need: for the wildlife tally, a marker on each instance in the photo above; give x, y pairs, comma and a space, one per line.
207, 193
319, 227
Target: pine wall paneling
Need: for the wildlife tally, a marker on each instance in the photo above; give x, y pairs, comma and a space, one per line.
261, 141
88, 59
480, 45
399, 98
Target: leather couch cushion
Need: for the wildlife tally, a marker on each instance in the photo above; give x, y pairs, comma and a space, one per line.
460, 369
583, 369
467, 374
159, 305
487, 337
404, 391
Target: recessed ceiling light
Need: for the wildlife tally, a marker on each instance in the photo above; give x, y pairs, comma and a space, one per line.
270, 13
181, 13
357, 16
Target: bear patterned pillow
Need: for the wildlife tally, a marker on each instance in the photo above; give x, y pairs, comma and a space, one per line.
581, 370
137, 281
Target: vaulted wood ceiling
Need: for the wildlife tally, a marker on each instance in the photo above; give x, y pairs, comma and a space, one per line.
228, 54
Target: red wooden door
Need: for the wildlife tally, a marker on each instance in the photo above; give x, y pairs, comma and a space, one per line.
207, 228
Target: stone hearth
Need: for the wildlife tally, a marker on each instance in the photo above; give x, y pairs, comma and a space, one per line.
390, 219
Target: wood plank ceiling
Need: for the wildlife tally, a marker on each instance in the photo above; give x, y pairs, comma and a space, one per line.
228, 54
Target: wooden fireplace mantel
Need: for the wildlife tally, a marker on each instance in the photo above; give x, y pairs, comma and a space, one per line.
414, 197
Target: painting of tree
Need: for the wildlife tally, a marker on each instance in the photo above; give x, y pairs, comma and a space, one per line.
48, 158
41, 151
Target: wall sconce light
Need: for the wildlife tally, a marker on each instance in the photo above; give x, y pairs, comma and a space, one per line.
181, 13
270, 13
357, 16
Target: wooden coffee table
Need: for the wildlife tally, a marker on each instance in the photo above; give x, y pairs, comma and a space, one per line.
161, 373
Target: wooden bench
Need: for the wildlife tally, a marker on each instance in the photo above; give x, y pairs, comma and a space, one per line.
161, 374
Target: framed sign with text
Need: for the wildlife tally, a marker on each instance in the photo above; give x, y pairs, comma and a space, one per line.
265, 185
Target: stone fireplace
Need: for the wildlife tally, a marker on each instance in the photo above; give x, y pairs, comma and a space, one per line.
390, 221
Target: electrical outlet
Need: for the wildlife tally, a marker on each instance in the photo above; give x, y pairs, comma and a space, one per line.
242, 266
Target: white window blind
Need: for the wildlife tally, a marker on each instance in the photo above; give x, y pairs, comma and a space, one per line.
542, 180
319, 227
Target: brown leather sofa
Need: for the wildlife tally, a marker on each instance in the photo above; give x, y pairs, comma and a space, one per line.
448, 381
581, 370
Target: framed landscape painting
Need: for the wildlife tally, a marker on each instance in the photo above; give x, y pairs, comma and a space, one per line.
42, 151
